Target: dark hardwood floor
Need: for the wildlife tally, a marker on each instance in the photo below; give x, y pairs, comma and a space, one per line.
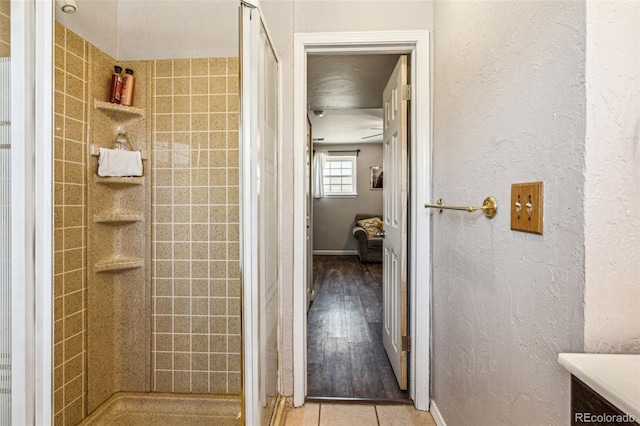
346, 358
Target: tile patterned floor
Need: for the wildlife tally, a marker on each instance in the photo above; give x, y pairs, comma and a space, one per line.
325, 414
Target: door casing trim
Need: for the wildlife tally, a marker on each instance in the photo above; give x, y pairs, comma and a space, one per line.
416, 44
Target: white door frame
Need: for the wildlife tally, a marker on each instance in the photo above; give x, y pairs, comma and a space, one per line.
416, 44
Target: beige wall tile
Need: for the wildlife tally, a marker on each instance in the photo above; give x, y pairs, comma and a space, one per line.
199, 85
163, 305
164, 324
164, 361
200, 103
73, 151
164, 68
182, 67
234, 288
74, 281
5, 7
218, 66
233, 103
164, 104
5, 35
233, 85
200, 288
234, 383
233, 66
191, 227
74, 303
181, 86
74, 86
164, 381
200, 67
218, 382
163, 287
75, 44
164, 342
181, 288
182, 123
181, 104
74, 65
5, 48
74, 130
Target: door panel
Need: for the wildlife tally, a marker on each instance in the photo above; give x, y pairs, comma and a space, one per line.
395, 217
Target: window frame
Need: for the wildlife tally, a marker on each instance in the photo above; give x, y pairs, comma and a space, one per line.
354, 175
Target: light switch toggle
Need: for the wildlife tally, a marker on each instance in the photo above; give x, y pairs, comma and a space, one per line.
529, 208
518, 206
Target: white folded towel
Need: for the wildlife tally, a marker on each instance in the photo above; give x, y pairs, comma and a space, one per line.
113, 162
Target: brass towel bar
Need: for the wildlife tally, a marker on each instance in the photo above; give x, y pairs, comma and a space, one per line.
489, 207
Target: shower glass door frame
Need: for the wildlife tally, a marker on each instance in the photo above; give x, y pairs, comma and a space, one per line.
31, 211
260, 130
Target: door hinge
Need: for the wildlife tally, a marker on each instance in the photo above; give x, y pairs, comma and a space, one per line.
406, 343
406, 92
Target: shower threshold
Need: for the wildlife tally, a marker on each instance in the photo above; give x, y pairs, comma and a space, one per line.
166, 409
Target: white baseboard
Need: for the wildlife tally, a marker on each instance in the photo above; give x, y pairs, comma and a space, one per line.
435, 413
335, 252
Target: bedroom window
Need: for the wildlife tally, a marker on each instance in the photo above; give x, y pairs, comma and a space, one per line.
340, 176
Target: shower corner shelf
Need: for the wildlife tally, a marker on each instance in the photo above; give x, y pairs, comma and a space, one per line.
116, 264
117, 218
120, 180
120, 112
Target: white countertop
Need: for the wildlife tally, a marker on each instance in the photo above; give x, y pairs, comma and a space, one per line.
615, 377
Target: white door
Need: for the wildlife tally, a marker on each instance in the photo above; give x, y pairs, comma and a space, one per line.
394, 328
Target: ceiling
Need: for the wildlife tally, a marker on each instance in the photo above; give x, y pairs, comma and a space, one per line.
348, 126
348, 88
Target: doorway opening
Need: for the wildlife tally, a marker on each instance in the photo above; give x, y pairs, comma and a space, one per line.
414, 44
348, 137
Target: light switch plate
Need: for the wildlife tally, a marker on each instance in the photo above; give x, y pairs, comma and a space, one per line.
527, 203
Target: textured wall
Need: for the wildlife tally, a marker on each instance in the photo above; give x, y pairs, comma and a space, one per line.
333, 217
509, 107
69, 237
196, 278
612, 188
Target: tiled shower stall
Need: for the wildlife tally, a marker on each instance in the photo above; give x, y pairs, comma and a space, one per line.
191, 264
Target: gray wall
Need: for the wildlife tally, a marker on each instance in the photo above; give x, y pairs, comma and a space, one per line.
333, 217
509, 107
612, 233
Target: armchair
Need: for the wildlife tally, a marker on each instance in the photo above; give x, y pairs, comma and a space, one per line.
369, 246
